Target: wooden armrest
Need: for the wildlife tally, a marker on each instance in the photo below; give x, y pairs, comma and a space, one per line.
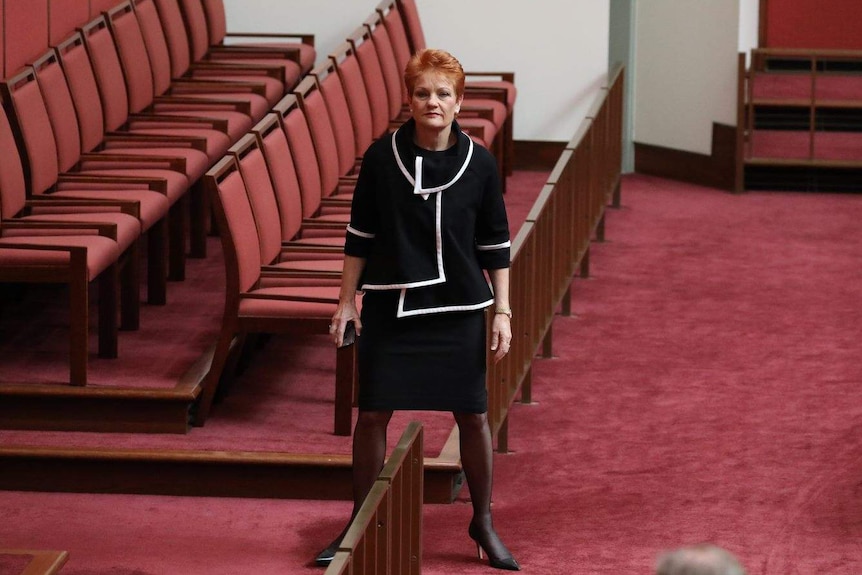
130, 139
173, 163
129, 207
104, 229
186, 104
216, 53
335, 201
201, 85
292, 248
215, 67
503, 76
496, 94
275, 272
159, 185
167, 121
309, 299
469, 111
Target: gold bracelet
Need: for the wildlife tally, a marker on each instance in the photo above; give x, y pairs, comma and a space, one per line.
504, 311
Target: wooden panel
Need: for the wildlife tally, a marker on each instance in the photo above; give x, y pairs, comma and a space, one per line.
99, 6
26, 32
64, 16
791, 24
717, 170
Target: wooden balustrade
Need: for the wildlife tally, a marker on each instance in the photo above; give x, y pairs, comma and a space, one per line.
385, 537
554, 243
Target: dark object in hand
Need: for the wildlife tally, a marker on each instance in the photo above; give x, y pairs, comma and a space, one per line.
349, 334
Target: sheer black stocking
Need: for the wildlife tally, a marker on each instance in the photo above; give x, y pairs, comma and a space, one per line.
477, 460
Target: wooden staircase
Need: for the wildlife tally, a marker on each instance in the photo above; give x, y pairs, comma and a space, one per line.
801, 116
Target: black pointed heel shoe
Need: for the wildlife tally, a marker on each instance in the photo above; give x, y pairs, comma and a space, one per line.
326, 556
504, 561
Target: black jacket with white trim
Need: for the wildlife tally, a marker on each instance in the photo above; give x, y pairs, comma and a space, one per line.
428, 223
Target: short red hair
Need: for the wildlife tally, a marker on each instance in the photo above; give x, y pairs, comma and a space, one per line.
436, 61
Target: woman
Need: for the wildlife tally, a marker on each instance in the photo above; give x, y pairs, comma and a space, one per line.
427, 219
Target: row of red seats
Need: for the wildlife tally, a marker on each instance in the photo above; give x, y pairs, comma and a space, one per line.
107, 137
119, 111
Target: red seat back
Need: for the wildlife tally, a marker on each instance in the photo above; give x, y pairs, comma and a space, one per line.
261, 196
281, 168
157, 46
412, 24
12, 188
108, 72
316, 114
196, 26
330, 86
216, 20
61, 110
237, 229
392, 76
357, 97
30, 117
304, 156
132, 52
372, 75
84, 90
175, 36
398, 40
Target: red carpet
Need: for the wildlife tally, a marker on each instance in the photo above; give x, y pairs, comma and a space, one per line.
706, 389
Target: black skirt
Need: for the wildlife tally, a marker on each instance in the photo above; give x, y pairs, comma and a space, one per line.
433, 362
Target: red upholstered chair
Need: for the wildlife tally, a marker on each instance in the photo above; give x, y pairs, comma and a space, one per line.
297, 232
186, 56
60, 252
401, 18
316, 204
277, 251
183, 95
347, 69
122, 214
100, 66
47, 177
250, 308
267, 48
74, 260
336, 191
346, 141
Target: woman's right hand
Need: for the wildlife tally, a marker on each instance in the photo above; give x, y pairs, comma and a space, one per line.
345, 312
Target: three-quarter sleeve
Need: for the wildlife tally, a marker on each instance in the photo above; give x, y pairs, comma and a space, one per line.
492, 226
363, 213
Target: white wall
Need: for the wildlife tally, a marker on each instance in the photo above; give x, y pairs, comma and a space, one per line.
558, 49
749, 19
686, 60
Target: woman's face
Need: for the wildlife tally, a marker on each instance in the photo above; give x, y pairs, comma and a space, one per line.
434, 103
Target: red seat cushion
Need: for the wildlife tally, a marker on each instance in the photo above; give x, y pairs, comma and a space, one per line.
128, 227
101, 252
153, 205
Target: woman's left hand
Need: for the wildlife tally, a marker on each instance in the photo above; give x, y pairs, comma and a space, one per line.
501, 336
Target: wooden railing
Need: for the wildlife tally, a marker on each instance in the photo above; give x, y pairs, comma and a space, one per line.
554, 243
385, 537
